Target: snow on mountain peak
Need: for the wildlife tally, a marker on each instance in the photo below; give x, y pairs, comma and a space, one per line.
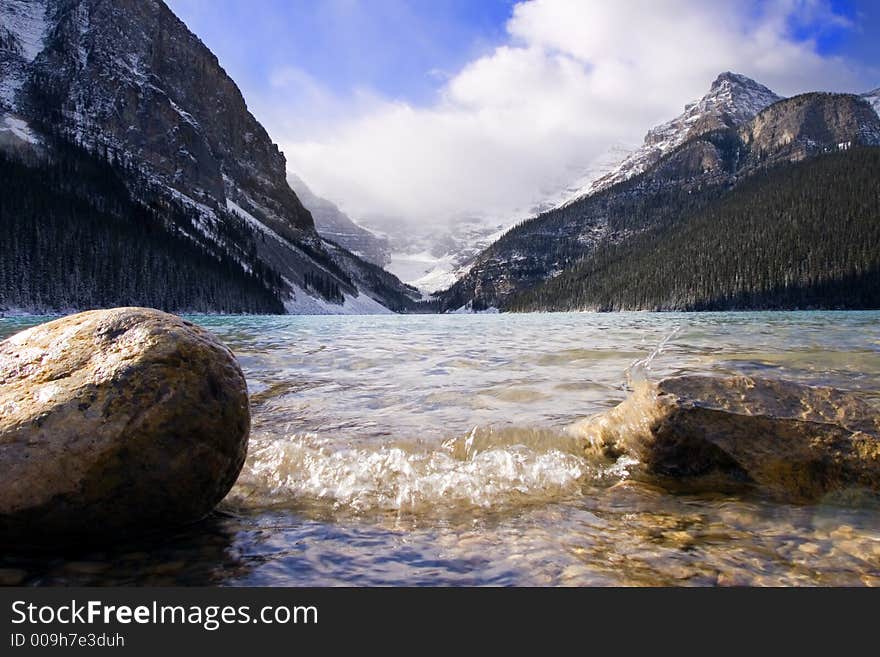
873, 97
741, 98
733, 99
735, 79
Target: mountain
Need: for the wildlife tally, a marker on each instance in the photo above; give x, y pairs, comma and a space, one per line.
126, 83
434, 260
720, 153
74, 236
808, 125
792, 237
732, 101
333, 224
432, 257
873, 97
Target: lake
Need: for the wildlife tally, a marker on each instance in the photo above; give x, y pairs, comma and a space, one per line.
435, 450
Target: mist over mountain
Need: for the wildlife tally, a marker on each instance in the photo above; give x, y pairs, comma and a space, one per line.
435, 256
333, 224
873, 97
731, 101
686, 168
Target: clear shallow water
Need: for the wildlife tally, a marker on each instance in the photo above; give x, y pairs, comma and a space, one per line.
435, 450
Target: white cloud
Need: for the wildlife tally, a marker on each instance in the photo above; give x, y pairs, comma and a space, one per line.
575, 78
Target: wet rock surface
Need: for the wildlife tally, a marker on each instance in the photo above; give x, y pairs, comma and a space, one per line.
799, 443
122, 420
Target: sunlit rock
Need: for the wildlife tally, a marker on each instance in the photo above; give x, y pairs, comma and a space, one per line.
116, 420
797, 442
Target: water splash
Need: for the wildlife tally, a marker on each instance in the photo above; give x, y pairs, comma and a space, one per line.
485, 468
640, 370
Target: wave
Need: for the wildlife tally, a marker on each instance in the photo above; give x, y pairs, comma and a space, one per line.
484, 468
487, 468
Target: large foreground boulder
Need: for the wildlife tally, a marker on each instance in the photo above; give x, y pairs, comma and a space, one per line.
113, 421
797, 442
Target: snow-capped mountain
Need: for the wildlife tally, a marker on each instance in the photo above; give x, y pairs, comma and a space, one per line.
687, 165
732, 101
432, 260
873, 97
333, 224
127, 81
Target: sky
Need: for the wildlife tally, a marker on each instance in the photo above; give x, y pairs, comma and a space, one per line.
429, 111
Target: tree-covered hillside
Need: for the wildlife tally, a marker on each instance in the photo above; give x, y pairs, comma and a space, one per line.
73, 237
801, 235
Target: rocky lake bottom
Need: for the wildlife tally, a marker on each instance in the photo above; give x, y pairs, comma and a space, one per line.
438, 450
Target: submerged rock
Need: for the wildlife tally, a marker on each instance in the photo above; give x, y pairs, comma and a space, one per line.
116, 421
797, 442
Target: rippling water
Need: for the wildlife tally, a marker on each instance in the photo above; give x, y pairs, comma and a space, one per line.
436, 450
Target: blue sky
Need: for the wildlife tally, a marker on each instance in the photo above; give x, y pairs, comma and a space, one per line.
400, 48
405, 48
435, 109
863, 42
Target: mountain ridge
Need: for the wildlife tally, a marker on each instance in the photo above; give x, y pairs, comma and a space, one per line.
715, 157
333, 224
797, 236
873, 97
732, 100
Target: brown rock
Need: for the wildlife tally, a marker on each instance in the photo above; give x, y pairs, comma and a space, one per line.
12, 576
804, 125
799, 443
116, 420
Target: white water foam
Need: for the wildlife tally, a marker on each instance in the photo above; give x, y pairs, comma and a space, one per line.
484, 469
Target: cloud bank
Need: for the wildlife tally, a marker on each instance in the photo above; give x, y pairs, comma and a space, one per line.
573, 79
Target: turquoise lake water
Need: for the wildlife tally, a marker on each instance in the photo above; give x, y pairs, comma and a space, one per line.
435, 450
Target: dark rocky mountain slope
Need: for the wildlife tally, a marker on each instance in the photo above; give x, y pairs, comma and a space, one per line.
798, 236
127, 82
